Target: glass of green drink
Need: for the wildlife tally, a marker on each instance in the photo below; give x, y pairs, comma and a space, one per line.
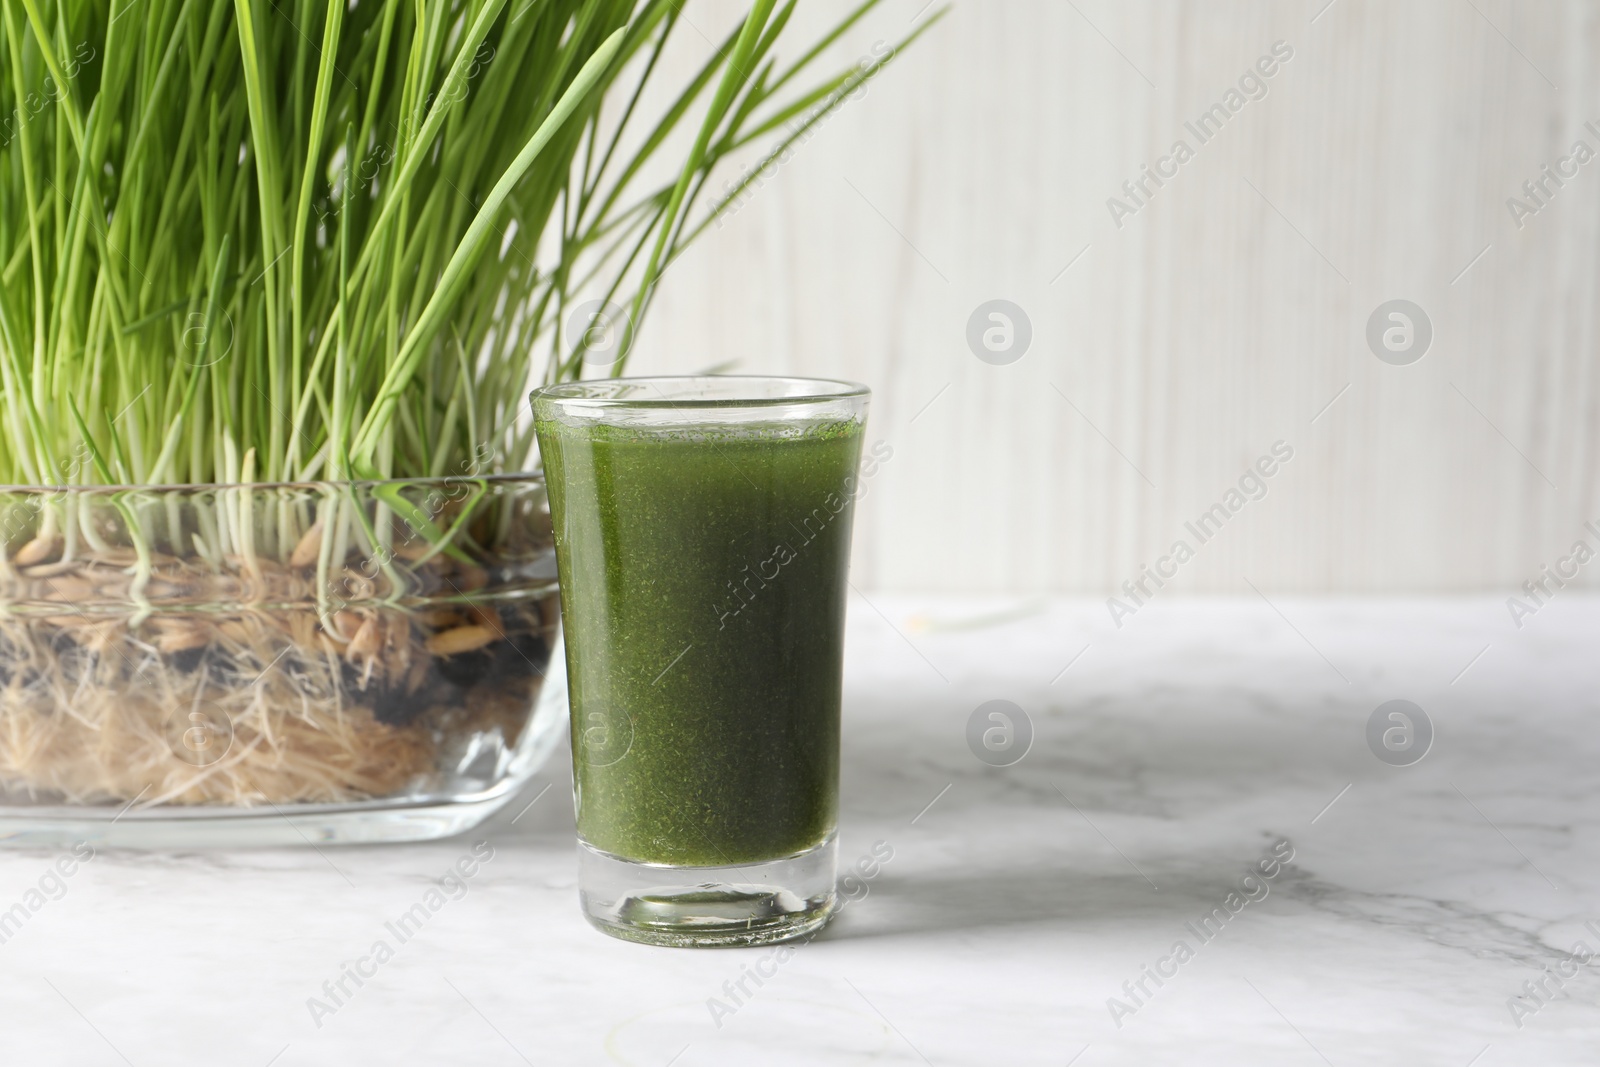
702, 530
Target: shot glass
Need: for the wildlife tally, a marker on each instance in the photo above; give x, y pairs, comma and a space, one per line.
702, 530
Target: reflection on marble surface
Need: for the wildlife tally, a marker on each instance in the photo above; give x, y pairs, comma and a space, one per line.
1020, 903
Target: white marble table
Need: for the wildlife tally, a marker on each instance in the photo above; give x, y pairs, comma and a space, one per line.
1166, 762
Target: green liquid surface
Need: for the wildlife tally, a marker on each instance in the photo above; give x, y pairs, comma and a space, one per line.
703, 585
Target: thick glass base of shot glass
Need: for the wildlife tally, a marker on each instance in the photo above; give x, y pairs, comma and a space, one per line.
690, 907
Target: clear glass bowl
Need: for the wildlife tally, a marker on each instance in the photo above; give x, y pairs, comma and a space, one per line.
274, 664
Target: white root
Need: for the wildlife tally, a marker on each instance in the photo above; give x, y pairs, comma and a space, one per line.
91, 712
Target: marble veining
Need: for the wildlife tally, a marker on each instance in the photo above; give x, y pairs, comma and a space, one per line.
1020, 905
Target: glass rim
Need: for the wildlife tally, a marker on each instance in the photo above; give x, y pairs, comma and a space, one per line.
592, 393
509, 477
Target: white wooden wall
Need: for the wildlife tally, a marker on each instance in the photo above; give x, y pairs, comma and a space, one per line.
1222, 317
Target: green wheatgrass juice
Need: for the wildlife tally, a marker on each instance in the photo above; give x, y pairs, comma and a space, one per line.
703, 584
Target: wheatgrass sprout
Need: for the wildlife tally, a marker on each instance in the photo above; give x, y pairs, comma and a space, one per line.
279, 240
305, 259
